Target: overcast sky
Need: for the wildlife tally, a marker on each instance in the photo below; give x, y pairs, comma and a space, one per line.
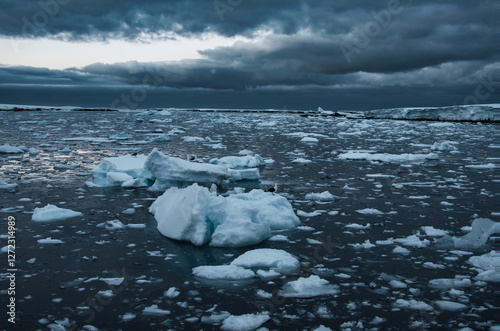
283, 54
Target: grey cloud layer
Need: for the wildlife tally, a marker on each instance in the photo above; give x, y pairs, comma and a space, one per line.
361, 44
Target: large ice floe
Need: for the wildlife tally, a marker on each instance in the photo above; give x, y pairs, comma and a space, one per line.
472, 113
200, 216
162, 171
482, 229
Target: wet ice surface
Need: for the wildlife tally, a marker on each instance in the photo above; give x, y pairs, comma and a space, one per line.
112, 269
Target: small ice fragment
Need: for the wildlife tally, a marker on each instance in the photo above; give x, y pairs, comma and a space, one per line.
245, 322
153, 310
272, 259
172, 293
223, 272
412, 304
369, 211
49, 240
324, 196
52, 213
307, 287
450, 305
116, 281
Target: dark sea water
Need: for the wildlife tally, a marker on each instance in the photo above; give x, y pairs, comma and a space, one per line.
58, 286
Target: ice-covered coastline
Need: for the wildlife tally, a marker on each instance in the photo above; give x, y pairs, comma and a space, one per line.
456, 113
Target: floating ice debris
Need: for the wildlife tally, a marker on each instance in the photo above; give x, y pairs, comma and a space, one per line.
412, 241
278, 237
127, 317
355, 226
195, 214
9, 149
431, 265
164, 171
169, 170
240, 162
61, 166
302, 161
487, 265
450, 305
181, 214
444, 283
223, 272
114, 281
444, 146
172, 292
392, 158
400, 250
481, 166
114, 171
314, 213
51, 213
412, 304
5, 186
153, 310
366, 245
190, 139
215, 318
397, 284
49, 240
482, 229
369, 211
430, 231
272, 259
245, 322
308, 287
268, 263
309, 140
95, 140
113, 225
324, 196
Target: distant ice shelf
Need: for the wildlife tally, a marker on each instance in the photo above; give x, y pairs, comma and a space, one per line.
466, 113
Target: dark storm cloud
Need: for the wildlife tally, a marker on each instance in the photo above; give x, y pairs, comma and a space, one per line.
363, 47
128, 18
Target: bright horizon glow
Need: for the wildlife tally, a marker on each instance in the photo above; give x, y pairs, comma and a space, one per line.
58, 54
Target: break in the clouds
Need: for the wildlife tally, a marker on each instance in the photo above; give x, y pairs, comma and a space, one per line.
388, 52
